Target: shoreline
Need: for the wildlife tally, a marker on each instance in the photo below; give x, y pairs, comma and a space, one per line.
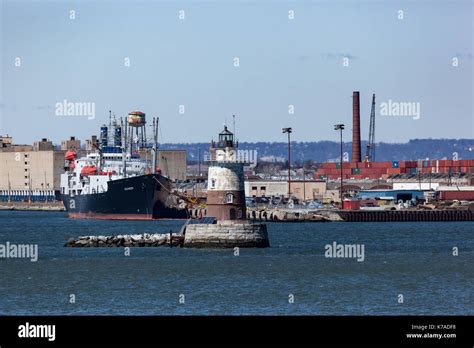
25, 206
299, 215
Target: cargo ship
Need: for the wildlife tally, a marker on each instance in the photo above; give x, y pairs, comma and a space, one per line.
114, 182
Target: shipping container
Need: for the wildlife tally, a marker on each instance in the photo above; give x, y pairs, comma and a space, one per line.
383, 165
351, 204
354, 165
329, 165
459, 195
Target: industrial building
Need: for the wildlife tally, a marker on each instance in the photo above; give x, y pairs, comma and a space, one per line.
29, 172
71, 144
300, 189
173, 164
395, 195
6, 145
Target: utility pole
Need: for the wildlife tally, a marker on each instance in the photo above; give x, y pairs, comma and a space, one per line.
430, 178
199, 161
340, 127
288, 130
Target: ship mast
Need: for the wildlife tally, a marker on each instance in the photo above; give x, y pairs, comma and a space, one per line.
124, 147
155, 143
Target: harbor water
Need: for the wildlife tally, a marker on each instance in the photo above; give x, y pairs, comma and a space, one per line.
408, 268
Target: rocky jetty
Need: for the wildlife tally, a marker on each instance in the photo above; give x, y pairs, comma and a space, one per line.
223, 234
128, 240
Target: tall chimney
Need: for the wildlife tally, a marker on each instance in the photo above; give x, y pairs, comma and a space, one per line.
355, 127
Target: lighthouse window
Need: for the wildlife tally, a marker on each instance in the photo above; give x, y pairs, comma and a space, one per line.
213, 183
229, 198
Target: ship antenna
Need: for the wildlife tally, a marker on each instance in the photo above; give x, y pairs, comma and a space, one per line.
110, 126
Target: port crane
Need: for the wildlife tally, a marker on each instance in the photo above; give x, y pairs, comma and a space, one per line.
370, 152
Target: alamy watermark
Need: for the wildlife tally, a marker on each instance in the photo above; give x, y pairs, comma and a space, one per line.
67, 108
405, 109
28, 330
355, 251
19, 251
249, 157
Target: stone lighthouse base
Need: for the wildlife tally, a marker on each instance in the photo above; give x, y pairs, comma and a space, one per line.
226, 234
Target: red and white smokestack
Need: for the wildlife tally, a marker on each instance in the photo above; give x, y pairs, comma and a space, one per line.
355, 127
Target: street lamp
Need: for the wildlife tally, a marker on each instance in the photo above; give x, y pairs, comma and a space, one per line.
340, 127
288, 130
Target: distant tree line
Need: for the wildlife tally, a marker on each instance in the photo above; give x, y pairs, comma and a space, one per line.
323, 151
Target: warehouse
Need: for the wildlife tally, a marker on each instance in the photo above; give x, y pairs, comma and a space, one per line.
396, 195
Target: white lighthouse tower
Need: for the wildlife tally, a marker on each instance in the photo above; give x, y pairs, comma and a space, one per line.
225, 189
225, 204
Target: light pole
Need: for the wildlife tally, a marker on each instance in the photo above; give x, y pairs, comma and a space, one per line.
340, 127
288, 130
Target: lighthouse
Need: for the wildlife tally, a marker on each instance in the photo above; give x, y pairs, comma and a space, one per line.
226, 225
225, 188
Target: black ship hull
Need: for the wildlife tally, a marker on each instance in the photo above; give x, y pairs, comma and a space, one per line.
143, 197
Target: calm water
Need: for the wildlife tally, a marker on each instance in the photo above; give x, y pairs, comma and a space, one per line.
413, 259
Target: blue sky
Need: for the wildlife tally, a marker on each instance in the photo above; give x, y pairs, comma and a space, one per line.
283, 62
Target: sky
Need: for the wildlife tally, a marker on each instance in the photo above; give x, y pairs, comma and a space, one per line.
196, 63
